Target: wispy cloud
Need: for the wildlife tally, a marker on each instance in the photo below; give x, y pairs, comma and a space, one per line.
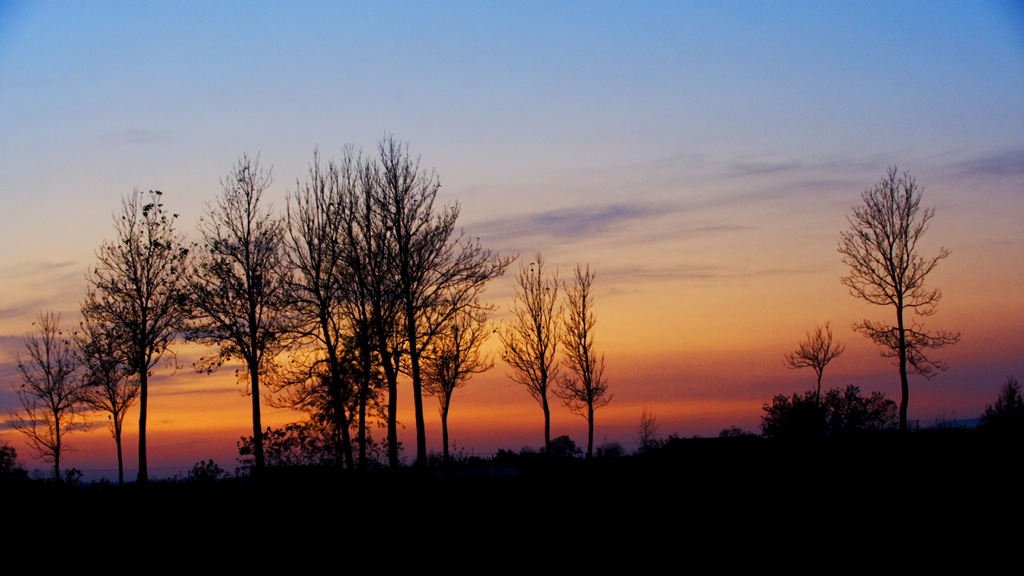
34, 286
570, 224
1007, 162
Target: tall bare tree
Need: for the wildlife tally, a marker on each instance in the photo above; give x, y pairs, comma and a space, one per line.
437, 272
368, 301
315, 290
238, 289
453, 357
530, 338
584, 389
51, 392
140, 287
886, 269
815, 352
110, 385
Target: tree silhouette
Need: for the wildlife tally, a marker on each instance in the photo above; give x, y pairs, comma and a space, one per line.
139, 288
530, 339
370, 301
10, 469
584, 389
50, 392
850, 412
1006, 416
840, 413
110, 385
317, 293
563, 448
453, 357
647, 432
238, 289
437, 272
815, 352
886, 270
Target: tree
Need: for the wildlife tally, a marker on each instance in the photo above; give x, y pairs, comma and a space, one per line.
305, 443
437, 273
51, 391
886, 269
1006, 416
316, 290
585, 388
815, 352
841, 413
647, 432
563, 448
10, 469
452, 359
110, 385
735, 432
139, 288
369, 303
238, 288
530, 339
800, 418
849, 412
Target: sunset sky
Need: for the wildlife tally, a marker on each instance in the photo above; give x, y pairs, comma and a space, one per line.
702, 157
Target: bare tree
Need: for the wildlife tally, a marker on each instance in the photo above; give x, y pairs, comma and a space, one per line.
110, 385
316, 291
647, 432
886, 269
51, 392
140, 288
530, 339
437, 272
815, 352
369, 303
453, 357
238, 289
585, 389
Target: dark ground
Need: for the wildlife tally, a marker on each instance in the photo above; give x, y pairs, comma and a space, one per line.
950, 492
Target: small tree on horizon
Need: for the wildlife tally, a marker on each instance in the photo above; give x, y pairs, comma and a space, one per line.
1007, 414
453, 357
51, 392
584, 389
110, 385
647, 432
530, 339
815, 352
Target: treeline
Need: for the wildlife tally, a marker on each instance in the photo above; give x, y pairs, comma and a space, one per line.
363, 278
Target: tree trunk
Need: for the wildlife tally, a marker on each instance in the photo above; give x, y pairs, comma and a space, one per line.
364, 391
257, 426
414, 362
590, 431
143, 478
904, 385
444, 431
56, 451
391, 374
120, 458
365, 357
346, 439
547, 425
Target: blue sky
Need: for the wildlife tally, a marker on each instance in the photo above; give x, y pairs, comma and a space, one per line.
690, 151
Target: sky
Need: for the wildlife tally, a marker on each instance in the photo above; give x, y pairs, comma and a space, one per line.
702, 157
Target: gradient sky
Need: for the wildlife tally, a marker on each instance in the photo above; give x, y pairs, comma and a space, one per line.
701, 156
